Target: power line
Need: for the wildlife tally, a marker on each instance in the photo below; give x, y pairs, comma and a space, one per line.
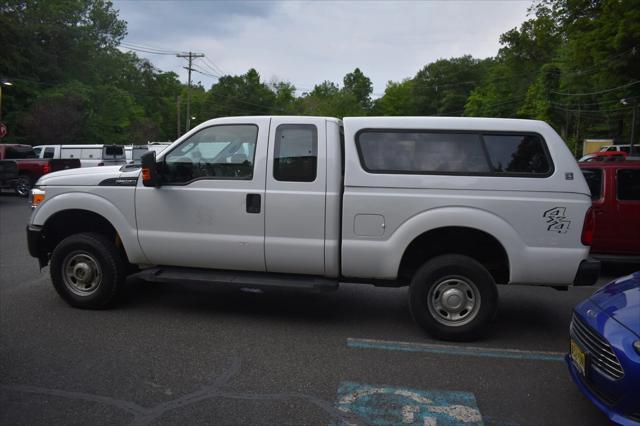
598, 92
147, 51
208, 69
199, 71
145, 47
215, 66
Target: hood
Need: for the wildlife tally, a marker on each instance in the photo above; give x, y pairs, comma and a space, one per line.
621, 300
87, 176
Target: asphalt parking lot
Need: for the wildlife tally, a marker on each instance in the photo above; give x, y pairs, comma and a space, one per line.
169, 354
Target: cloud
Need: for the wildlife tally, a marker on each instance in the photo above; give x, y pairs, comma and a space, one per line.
309, 42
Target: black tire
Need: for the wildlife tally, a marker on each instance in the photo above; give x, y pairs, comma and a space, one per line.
23, 185
89, 256
453, 297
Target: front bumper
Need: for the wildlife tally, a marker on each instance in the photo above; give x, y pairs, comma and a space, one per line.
588, 272
36, 245
617, 398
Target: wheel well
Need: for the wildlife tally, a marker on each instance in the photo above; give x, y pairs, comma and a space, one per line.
69, 222
471, 242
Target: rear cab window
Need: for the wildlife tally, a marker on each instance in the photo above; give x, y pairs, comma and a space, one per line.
49, 152
295, 156
450, 152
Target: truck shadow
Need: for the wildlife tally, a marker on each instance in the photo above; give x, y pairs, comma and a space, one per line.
534, 317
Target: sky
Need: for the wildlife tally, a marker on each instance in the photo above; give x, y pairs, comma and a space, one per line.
306, 43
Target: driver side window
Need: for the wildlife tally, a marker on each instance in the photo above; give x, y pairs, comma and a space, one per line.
216, 152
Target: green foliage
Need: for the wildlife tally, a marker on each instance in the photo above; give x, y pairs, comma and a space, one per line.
398, 100
359, 85
442, 87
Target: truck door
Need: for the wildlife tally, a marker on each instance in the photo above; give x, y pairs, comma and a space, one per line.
209, 211
295, 198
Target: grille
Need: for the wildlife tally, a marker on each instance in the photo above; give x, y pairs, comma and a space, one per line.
602, 356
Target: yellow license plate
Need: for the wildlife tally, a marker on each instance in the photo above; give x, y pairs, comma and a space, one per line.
578, 357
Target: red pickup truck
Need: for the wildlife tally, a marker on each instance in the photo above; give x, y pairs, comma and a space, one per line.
615, 193
31, 168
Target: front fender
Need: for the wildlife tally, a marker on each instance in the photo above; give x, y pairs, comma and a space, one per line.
124, 226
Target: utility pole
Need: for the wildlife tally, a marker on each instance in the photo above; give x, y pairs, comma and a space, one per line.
178, 99
633, 127
577, 132
190, 56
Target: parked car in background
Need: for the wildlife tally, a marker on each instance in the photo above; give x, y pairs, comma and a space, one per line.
621, 148
89, 155
604, 354
8, 174
158, 147
615, 194
133, 153
606, 156
30, 168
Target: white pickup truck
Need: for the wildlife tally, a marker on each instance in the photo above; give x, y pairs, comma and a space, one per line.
449, 206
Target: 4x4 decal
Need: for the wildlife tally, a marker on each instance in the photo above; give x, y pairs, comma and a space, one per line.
557, 220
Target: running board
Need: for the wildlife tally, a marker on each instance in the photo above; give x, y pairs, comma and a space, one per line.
238, 279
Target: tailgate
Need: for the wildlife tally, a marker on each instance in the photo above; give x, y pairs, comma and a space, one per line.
63, 164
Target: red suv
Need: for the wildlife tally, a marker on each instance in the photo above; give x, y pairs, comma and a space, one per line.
615, 191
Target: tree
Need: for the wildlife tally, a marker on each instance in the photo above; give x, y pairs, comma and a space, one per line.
326, 99
240, 95
58, 116
398, 99
359, 85
442, 87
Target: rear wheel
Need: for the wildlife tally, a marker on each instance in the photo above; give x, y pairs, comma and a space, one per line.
23, 185
87, 270
453, 297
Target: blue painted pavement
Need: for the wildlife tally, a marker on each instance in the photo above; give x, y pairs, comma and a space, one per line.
387, 405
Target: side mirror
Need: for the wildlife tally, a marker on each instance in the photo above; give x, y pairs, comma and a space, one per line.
150, 175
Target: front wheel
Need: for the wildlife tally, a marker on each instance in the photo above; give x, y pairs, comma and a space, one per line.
87, 270
453, 297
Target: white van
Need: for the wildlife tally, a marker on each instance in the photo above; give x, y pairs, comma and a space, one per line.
158, 147
133, 153
89, 155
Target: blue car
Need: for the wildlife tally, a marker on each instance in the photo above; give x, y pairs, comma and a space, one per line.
604, 355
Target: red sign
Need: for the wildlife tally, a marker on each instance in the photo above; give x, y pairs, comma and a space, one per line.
3, 130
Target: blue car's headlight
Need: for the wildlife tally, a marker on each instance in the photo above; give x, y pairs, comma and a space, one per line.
636, 346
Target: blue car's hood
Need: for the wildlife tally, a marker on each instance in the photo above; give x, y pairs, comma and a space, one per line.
621, 300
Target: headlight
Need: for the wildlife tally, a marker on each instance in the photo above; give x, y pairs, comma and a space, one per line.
636, 346
36, 197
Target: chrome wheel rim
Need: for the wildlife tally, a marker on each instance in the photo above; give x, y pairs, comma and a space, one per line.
454, 301
81, 273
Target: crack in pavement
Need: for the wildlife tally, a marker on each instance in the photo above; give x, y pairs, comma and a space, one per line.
145, 415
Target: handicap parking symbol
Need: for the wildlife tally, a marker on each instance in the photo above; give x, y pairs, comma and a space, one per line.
387, 405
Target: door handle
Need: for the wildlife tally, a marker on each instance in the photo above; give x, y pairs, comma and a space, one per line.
253, 203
